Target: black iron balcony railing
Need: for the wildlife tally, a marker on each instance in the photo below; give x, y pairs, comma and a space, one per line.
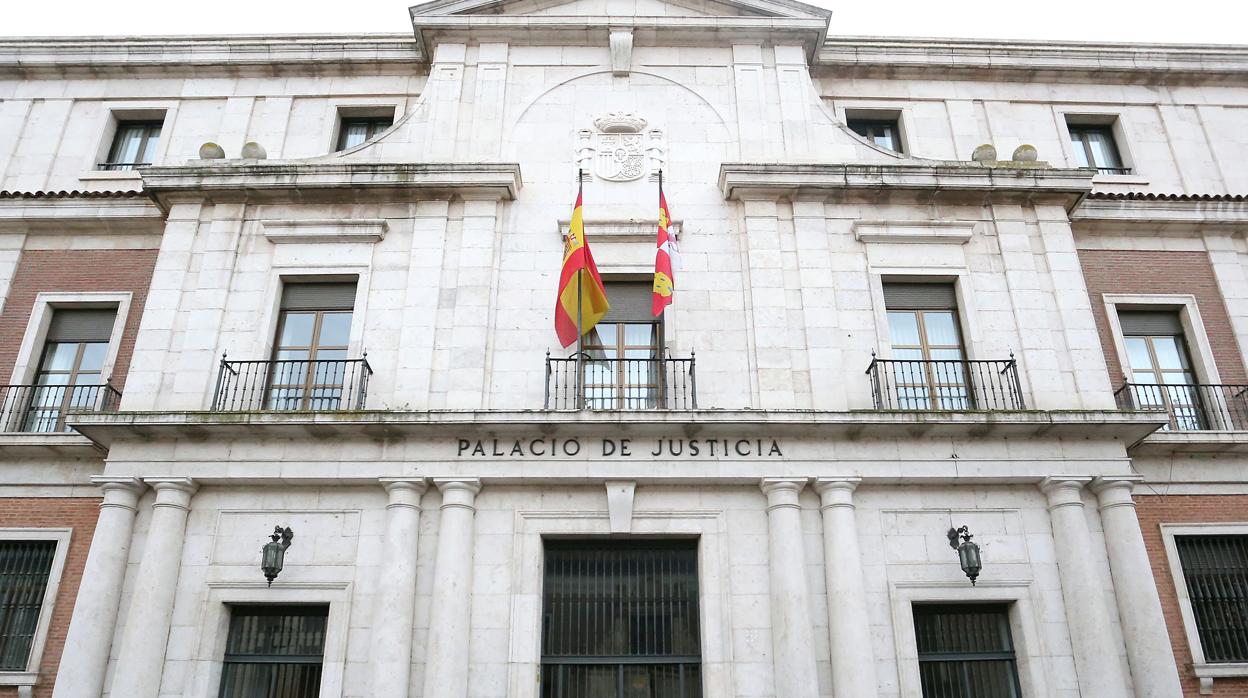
280, 386
43, 408
914, 384
586, 382
1191, 407
120, 166
1113, 170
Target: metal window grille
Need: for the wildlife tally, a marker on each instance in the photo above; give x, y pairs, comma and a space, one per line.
274, 652
24, 569
620, 620
966, 651
1216, 571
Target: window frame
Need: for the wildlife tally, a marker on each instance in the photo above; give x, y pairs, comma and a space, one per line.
229, 659
372, 128
1200, 351
1120, 129
1011, 655
1204, 670
347, 109
112, 114
888, 112
62, 537
108, 164
30, 353
871, 125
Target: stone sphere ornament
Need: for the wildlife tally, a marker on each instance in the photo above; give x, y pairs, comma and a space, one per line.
985, 153
1025, 153
253, 151
211, 151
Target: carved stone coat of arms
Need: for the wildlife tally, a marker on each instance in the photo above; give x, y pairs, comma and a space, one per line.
620, 148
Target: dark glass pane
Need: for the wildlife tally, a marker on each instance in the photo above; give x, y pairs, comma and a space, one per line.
274, 652
24, 570
1216, 571
965, 651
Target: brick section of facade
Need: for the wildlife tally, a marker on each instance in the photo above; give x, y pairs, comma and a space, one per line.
79, 514
1149, 271
74, 271
1155, 510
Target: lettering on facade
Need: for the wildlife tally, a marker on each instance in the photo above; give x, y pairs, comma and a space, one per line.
551, 447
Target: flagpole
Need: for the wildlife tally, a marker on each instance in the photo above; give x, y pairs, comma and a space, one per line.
580, 336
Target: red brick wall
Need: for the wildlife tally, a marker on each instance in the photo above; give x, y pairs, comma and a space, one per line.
78, 513
1155, 510
74, 271
1146, 271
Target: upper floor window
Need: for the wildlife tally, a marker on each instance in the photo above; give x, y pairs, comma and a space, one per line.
310, 355
928, 369
620, 619
274, 652
1215, 570
966, 650
1094, 147
622, 369
355, 130
25, 567
1161, 367
134, 145
884, 132
70, 375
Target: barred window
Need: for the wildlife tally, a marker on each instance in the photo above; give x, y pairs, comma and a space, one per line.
966, 651
620, 619
274, 652
24, 569
1215, 569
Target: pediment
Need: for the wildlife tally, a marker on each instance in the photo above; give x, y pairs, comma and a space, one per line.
623, 8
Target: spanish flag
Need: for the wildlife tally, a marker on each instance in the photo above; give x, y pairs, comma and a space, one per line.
581, 294
664, 277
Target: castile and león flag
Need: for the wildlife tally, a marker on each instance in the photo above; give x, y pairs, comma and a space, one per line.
665, 258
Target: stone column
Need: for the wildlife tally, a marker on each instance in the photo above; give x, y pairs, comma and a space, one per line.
141, 659
90, 637
1096, 649
849, 630
792, 640
1154, 671
394, 603
446, 663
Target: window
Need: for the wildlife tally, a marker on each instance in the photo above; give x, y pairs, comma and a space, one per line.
25, 566
1094, 147
356, 130
882, 132
1215, 569
310, 366
1160, 366
929, 370
134, 145
70, 371
620, 620
965, 651
274, 652
622, 370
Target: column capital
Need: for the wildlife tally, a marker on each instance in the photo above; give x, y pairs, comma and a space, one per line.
1115, 490
836, 491
404, 491
1064, 490
458, 491
121, 492
782, 491
172, 491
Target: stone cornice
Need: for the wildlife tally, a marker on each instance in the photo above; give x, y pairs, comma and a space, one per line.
1173, 212
743, 180
303, 181
1015, 60
90, 214
185, 55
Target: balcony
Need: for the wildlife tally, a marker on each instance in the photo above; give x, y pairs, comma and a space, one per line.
42, 409
583, 381
292, 385
1190, 407
945, 385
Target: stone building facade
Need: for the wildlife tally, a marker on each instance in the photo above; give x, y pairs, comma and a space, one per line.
308, 282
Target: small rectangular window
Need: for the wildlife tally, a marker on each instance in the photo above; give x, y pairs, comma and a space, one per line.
134, 145
355, 130
883, 132
1215, 569
24, 569
965, 651
621, 619
1095, 148
274, 652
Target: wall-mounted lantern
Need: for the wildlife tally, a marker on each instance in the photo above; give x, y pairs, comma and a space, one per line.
274, 553
968, 552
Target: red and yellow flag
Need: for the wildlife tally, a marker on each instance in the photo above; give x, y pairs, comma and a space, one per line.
579, 284
664, 276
